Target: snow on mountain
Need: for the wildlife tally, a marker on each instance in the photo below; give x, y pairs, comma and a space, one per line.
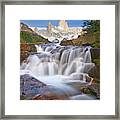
58, 32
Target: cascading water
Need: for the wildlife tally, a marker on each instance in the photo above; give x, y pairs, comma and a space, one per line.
60, 65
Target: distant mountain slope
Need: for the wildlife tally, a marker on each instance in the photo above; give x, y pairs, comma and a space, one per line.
27, 35
25, 28
83, 40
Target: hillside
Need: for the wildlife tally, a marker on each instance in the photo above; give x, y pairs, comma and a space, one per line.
91, 37
83, 40
27, 35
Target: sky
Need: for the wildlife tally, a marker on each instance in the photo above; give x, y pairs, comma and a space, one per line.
44, 23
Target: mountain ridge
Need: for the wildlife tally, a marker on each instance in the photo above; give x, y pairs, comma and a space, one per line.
27, 35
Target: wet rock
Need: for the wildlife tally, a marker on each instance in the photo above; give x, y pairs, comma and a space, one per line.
80, 76
93, 89
30, 86
49, 96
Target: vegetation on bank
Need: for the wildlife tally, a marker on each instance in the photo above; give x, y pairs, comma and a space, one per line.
27, 37
93, 29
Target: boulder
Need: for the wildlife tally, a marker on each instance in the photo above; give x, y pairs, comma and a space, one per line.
93, 89
30, 86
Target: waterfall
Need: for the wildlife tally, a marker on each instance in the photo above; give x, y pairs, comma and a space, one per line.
59, 65
39, 49
64, 57
87, 58
72, 60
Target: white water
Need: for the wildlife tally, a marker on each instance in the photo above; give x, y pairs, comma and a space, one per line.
57, 66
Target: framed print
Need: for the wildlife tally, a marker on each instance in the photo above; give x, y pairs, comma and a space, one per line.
60, 59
